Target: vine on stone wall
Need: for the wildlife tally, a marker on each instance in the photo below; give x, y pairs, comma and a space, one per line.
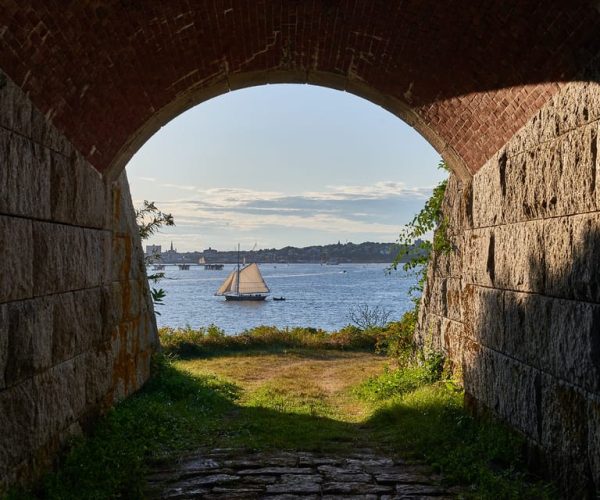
414, 255
415, 251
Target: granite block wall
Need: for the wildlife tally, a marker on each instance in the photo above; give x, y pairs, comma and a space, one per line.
77, 328
516, 304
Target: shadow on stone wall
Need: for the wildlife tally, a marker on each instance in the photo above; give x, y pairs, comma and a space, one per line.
533, 359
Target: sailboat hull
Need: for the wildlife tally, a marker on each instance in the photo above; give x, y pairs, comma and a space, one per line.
245, 297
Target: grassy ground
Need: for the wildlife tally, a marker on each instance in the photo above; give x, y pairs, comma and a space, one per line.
299, 399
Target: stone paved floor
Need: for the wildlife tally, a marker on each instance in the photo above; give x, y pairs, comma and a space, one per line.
231, 474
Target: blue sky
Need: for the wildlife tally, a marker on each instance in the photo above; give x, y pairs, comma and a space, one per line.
284, 165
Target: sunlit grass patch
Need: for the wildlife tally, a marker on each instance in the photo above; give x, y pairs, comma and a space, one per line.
280, 400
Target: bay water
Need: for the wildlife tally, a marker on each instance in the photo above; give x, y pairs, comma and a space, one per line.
318, 296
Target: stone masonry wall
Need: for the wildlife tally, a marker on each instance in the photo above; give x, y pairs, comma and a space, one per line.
516, 305
76, 326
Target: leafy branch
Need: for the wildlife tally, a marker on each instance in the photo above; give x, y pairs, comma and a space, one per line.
149, 220
415, 252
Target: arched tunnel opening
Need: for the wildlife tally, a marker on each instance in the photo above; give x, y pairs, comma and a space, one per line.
508, 95
287, 171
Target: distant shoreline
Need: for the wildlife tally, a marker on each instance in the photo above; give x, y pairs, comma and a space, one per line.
340, 253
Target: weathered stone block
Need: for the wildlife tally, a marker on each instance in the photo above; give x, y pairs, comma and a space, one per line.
78, 323
429, 332
449, 264
148, 334
78, 193
505, 386
29, 339
122, 252
487, 193
123, 214
99, 376
513, 176
577, 105
484, 315
519, 259
479, 257
457, 205
564, 429
3, 343
97, 243
593, 451
92, 195
574, 343
63, 189
60, 399
453, 299
16, 255
67, 258
539, 196
452, 333
132, 299
24, 177
572, 245
542, 127
572, 186
17, 421
437, 296
553, 335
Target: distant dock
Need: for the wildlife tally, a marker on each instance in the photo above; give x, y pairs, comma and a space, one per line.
213, 267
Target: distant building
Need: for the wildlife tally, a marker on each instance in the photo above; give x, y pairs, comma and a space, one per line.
153, 250
210, 255
171, 251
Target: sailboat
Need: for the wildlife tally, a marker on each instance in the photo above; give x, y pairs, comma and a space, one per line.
245, 283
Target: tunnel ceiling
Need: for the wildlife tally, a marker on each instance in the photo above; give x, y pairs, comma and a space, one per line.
466, 74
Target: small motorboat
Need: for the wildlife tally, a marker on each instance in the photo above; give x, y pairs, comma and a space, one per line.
278, 298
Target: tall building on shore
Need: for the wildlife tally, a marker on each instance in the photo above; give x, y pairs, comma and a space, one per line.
153, 250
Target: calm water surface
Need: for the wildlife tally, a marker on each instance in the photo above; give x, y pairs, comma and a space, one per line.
317, 296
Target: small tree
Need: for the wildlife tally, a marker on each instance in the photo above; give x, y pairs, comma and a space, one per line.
368, 317
149, 220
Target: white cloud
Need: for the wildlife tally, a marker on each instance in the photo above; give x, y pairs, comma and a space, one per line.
373, 211
377, 191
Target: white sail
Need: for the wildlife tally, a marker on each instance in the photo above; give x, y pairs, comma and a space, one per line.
227, 284
251, 281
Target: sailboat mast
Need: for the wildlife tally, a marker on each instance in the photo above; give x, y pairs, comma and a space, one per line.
238, 271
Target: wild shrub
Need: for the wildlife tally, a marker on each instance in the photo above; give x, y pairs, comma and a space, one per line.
188, 342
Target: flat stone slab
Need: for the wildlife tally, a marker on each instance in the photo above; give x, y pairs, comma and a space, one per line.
276, 470
238, 474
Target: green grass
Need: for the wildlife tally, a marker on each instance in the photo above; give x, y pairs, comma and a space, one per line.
311, 400
427, 420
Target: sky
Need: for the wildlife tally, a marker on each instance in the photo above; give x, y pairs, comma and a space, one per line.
280, 165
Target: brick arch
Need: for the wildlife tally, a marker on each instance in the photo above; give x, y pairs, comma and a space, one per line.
195, 97
108, 73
